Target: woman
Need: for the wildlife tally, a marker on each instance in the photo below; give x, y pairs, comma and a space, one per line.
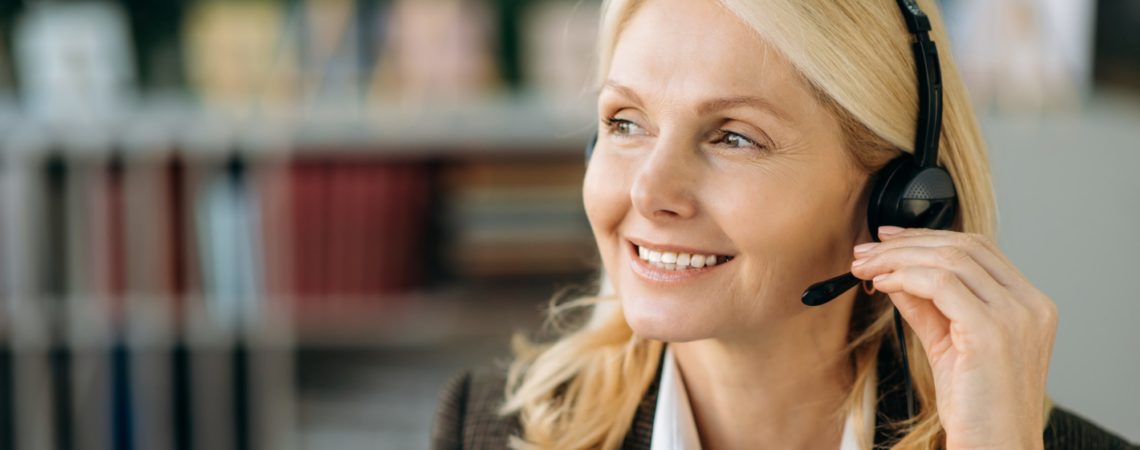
743, 134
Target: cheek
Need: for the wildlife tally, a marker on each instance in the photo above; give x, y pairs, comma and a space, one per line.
604, 197
784, 227
607, 202
764, 215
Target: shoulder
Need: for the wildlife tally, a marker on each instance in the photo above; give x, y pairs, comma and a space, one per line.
467, 415
1067, 429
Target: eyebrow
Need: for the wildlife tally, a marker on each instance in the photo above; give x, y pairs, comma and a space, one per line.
710, 106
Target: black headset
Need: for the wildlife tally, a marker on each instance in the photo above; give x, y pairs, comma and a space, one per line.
910, 191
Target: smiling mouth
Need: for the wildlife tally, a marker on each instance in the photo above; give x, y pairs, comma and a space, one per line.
678, 261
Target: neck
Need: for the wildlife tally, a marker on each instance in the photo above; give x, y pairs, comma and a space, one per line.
777, 389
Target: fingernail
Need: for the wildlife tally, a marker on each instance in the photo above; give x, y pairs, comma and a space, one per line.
889, 230
865, 246
858, 262
879, 277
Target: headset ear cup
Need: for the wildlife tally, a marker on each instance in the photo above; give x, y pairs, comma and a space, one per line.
929, 200
908, 196
878, 210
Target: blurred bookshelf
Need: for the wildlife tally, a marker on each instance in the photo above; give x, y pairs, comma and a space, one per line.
347, 153
203, 201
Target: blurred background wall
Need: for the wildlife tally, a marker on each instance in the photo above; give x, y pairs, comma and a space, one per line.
262, 224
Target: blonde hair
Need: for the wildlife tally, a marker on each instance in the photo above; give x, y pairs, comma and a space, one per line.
582, 390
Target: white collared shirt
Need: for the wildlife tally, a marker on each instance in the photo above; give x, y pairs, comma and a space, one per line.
674, 428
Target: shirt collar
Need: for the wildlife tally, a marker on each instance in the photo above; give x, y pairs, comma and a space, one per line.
674, 428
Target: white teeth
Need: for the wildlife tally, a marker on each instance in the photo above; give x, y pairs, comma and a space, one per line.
677, 261
674, 267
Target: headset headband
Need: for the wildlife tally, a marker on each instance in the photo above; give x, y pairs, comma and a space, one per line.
929, 74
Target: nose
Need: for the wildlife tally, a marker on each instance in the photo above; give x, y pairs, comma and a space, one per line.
662, 185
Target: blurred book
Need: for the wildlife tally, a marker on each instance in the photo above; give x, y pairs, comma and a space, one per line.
358, 227
152, 221
30, 341
559, 39
270, 179
239, 56
74, 59
5, 234
436, 51
212, 382
90, 201
20, 218
8, 12
330, 58
114, 262
149, 341
516, 218
7, 392
51, 237
89, 334
7, 78
12, 217
227, 224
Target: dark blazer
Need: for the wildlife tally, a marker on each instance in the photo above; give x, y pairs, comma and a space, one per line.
466, 417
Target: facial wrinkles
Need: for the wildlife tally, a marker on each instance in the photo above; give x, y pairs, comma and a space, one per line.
668, 61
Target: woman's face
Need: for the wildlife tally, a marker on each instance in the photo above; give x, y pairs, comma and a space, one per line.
715, 147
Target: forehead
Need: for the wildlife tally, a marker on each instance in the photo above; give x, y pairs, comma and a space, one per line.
688, 50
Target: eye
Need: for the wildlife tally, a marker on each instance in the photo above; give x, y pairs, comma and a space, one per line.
620, 127
736, 140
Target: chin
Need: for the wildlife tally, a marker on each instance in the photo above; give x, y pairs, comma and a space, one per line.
652, 320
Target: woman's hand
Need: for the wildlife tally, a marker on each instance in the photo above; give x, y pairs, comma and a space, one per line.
988, 333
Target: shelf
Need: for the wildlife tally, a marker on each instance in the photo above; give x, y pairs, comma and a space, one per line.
425, 319
419, 318
514, 126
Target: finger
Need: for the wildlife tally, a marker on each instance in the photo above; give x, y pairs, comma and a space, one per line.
955, 259
972, 240
942, 287
981, 248
928, 323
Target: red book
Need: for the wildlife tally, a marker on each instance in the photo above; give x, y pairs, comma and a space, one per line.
308, 231
272, 180
116, 219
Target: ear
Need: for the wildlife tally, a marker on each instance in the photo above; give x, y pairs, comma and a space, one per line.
860, 229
